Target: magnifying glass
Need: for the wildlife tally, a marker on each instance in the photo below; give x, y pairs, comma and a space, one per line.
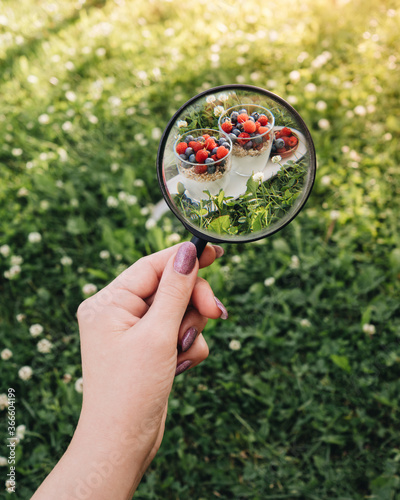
236, 163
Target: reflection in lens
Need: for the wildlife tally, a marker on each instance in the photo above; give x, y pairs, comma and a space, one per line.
237, 164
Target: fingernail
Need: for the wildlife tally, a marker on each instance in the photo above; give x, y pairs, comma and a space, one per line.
188, 338
221, 306
219, 251
185, 259
182, 367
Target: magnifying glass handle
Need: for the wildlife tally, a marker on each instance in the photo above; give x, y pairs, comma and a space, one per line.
199, 244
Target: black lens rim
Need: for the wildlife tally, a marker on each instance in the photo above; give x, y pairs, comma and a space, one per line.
160, 155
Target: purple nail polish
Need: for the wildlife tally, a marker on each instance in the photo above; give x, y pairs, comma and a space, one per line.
219, 251
188, 338
221, 306
182, 367
185, 259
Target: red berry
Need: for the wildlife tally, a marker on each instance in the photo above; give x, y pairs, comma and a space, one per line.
286, 141
221, 152
210, 144
242, 141
281, 150
258, 125
292, 141
206, 136
181, 148
200, 169
263, 120
278, 135
227, 126
201, 156
262, 130
286, 132
214, 157
243, 118
196, 146
249, 126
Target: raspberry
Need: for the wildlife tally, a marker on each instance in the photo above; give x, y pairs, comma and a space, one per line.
258, 125
200, 169
214, 157
210, 144
242, 118
181, 148
263, 120
249, 126
227, 126
281, 150
292, 141
286, 132
262, 130
206, 136
196, 146
286, 141
242, 142
278, 135
201, 156
221, 152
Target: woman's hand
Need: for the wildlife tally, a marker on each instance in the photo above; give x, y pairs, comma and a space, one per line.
136, 334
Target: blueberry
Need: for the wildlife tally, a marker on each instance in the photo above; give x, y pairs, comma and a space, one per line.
209, 160
248, 145
200, 139
257, 140
255, 115
252, 119
233, 137
279, 143
189, 138
273, 149
188, 152
253, 134
224, 119
234, 116
226, 145
236, 131
192, 158
243, 111
221, 141
183, 157
214, 151
211, 169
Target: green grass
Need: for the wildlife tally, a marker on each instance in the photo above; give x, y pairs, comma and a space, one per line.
308, 407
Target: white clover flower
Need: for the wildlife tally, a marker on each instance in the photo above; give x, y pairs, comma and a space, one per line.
235, 345
276, 159
53, 80
69, 65
145, 211
44, 346
218, 110
324, 124
12, 272
369, 329
156, 133
325, 180
79, 385
173, 238
269, 281
67, 377
310, 87
6, 354
89, 289
100, 52
65, 260
21, 429
210, 99
104, 254
236, 259
25, 373
294, 76
388, 136
114, 167
223, 97
294, 262
3, 461
93, 119
16, 151
5, 250
258, 177
321, 106
3, 401
44, 204
67, 126
360, 110
20, 317
292, 99
150, 223
32, 79
112, 202
334, 215
16, 260
22, 192
182, 123
305, 322
122, 196
70, 96
114, 101
35, 329
240, 79
62, 154
34, 237
138, 182
44, 119
131, 199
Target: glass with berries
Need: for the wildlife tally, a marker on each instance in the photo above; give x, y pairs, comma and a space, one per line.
204, 159
249, 126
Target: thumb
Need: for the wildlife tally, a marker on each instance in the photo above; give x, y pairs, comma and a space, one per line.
174, 290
